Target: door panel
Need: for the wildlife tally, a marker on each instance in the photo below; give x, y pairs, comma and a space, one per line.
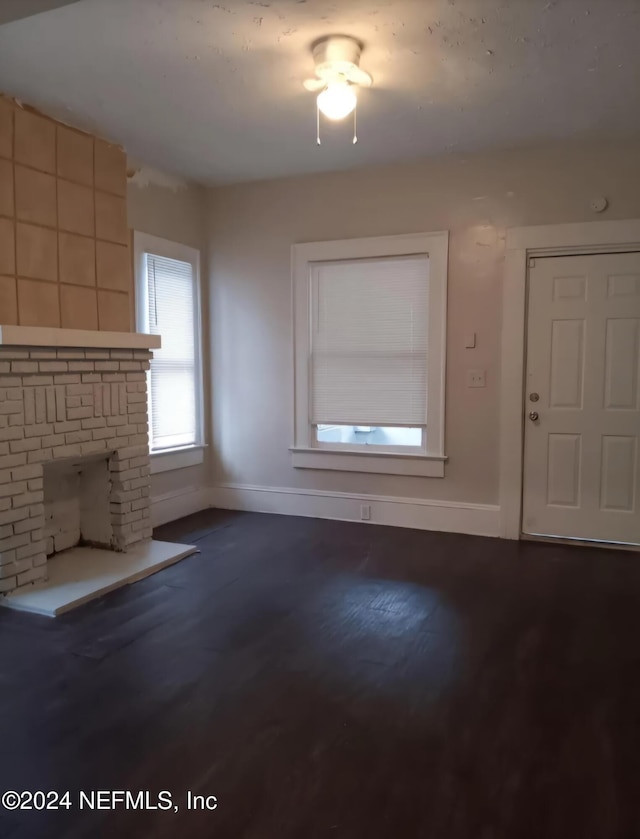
581, 465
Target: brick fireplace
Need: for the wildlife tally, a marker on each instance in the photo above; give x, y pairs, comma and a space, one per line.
73, 411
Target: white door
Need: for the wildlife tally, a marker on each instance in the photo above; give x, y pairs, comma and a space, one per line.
582, 399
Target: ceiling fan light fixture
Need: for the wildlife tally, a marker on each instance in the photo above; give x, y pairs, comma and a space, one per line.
337, 100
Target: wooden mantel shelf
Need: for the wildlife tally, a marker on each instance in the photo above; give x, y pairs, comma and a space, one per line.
39, 336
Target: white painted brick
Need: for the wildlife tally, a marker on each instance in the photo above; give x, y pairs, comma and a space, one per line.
5, 367
94, 422
38, 457
73, 402
71, 354
5, 504
8, 585
16, 420
86, 402
91, 378
79, 390
132, 451
93, 447
140, 504
32, 576
136, 377
77, 437
26, 526
68, 379
26, 445
40, 355
32, 549
27, 498
113, 377
40, 381
121, 354
41, 407
121, 495
101, 433
10, 381
38, 430
11, 407
15, 488
115, 421
16, 541
69, 425
97, 355
52, 440
6, 530
66, 451
7, 434
79, 413
61, 407
53, 366
23, 473
11, 460
82, 366
126, 430
36, 510
107, 366
35, 483
50, 395
5, 476
24, 366
39, 559
129, 475
139, 439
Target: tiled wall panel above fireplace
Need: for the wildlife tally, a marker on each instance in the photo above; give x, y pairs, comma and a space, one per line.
64, 244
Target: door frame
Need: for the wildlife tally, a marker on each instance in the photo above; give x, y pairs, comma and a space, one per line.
522, 244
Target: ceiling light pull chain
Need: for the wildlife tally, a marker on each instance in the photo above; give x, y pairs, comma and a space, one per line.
318, 124
355, 125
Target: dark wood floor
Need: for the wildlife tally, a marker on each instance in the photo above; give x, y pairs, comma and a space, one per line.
328, 679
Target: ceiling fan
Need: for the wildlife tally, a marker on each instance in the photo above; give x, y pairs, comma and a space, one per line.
338, 74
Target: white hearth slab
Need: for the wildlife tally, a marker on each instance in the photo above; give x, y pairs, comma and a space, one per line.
82, 574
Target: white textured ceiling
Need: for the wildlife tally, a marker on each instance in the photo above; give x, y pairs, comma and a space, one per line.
212, 90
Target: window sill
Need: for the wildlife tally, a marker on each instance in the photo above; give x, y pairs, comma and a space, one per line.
166, 460
380, 463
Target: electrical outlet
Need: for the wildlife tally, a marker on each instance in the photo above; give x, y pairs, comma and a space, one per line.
365, 512
476, 378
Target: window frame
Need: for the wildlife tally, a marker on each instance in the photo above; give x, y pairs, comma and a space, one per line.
176, 457
305, 451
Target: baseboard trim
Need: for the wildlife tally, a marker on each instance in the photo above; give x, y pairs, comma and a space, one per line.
176, 505
417, 513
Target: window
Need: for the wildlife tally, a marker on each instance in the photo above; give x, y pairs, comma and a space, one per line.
167, 304
369, 354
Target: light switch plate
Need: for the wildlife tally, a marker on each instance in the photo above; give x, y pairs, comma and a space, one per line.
476, 378
470, 341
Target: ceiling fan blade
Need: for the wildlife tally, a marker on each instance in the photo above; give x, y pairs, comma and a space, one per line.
314, 84
359, 77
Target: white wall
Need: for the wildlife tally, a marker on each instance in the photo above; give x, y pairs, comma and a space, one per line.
251, 230
173, 209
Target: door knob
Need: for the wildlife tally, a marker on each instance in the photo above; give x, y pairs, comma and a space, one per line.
533, 416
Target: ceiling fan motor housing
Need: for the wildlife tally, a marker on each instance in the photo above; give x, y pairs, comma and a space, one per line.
335, 56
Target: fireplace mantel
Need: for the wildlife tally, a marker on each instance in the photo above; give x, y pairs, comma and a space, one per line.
43, 336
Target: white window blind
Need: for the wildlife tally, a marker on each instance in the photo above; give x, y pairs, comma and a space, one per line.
369, 339
171, 302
